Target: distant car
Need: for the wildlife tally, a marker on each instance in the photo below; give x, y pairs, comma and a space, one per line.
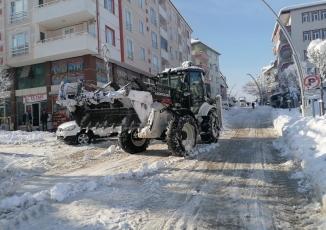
70, 132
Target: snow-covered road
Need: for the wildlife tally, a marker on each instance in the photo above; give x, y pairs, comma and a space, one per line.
240, 183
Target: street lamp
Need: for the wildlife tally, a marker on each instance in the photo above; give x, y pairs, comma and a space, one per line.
295, 55
261, 96
231, 89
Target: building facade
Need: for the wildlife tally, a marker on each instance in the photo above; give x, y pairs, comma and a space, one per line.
208, 59
305, 23
45, 42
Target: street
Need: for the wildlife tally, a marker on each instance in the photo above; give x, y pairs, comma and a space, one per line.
243, 183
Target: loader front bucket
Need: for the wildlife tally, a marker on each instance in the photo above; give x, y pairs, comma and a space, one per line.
105, 118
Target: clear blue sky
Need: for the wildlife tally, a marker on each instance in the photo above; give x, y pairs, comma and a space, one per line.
240, 30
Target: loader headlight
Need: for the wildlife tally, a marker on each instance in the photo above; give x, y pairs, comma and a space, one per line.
69, 128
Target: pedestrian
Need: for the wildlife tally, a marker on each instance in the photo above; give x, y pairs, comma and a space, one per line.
253, 105
27, 120
44, 120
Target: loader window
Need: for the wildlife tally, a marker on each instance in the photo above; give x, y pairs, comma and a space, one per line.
196, 91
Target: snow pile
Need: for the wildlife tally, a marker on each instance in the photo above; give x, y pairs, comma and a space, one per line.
109, 151
22, 137
304, 139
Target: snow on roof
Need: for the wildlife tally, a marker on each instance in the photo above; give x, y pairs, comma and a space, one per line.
195, 41
267, 68
296, 7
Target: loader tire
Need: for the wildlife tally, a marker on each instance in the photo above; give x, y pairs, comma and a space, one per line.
181, 135
130, 143
211, 128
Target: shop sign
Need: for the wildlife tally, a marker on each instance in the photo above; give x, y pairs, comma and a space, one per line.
34, 98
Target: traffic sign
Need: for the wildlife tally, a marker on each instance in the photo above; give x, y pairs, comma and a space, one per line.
311, 82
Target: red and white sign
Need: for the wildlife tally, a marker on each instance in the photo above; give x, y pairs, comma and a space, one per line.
311, 82
34, 98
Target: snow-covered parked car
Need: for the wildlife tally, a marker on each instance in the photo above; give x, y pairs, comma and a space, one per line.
70, 132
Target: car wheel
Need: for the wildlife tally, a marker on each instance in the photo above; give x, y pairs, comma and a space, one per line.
83, 138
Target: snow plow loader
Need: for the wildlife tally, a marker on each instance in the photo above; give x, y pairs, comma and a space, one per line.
175, 112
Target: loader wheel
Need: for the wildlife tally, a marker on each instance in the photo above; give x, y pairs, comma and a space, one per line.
130, 143
181, 135
211, 128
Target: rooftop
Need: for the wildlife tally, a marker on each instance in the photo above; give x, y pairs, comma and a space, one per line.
195, 41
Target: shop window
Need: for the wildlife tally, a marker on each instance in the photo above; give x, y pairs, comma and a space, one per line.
31, 76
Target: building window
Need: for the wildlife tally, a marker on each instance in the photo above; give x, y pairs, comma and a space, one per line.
183, 29
170, 33
140, 3
306, 36
20, 44
210, 65
176, 37
169, 14
128, 20
315, 16
324, 33
154, 40
305, 54
323, 14
183, 45
109, 5
216, 79
110, 38
153, 16
155, 63
315, 34
69, 32
305, 17
188, 49
175, 19
18, 11
187, 34
216, 68
142, 53
164, 44
216, 57
171, 52
141, 27
130, 49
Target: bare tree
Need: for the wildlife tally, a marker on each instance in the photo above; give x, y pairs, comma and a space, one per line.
5, 82
251, 88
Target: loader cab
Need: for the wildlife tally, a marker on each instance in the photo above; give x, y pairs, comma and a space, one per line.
188, 87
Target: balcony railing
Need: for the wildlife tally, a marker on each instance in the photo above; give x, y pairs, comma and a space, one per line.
19, 50
285, 65
204, 67
288, 28
129, 26
18, 16
155, 44
66, 36
202, 56
285, 50
130, 55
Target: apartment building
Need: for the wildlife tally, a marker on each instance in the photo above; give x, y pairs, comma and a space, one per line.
45, 42
208, 59
305, 23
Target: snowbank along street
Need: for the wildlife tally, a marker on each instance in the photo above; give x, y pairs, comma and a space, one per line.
250, 179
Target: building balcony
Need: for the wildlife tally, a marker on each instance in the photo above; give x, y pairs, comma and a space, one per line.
60, 13
285, 65
282, 36
204, 67
202, 56
285, 51
162, 11
65, 46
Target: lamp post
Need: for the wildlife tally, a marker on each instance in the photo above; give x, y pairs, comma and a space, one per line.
231, 89
295, 55
261, 96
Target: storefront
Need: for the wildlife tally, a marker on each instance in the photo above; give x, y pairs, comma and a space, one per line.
101, 75
34, 104
60, 113
5, 119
